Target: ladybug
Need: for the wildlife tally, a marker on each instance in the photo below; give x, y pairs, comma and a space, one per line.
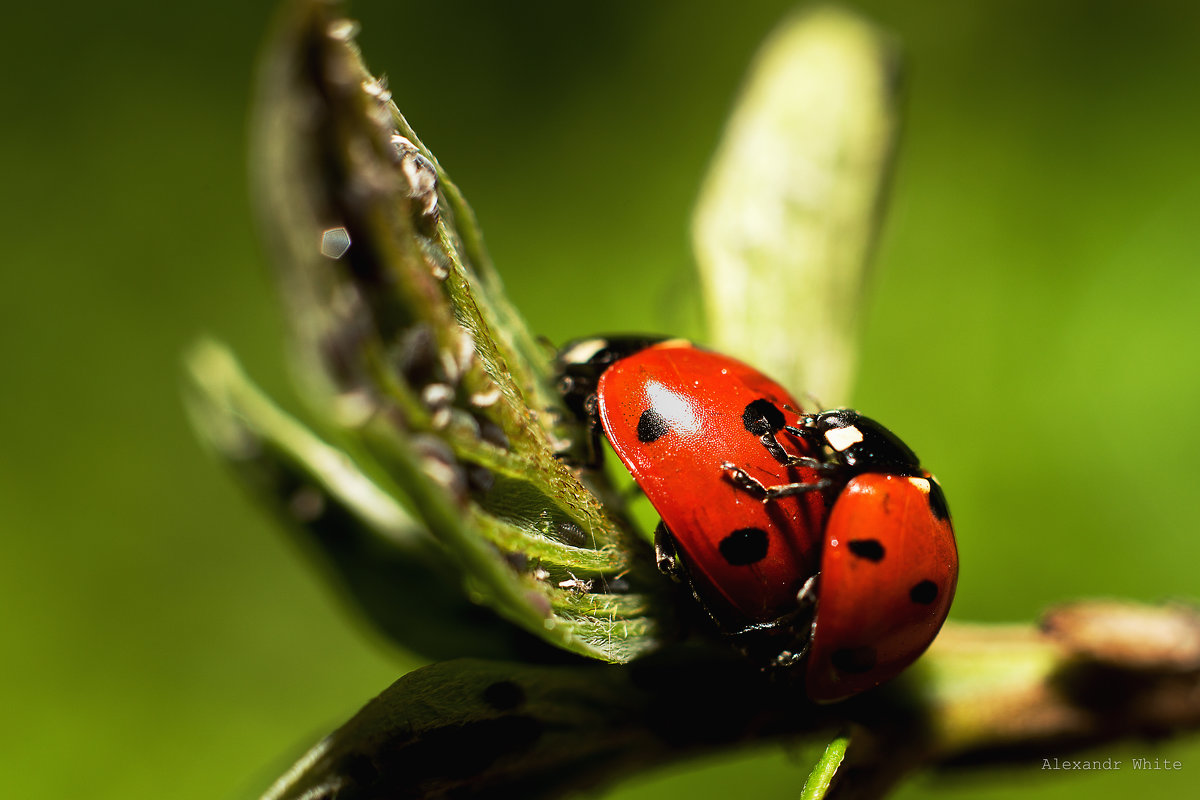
889, 562
675, 414
832, 549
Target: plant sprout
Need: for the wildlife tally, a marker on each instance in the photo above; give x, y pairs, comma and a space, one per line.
431, 475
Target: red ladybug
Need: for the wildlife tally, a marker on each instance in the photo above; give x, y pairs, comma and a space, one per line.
889, 565
674, 415
749, 523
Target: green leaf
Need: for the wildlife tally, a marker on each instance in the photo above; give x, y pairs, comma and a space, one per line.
484, 729
825, 770
386, 565
408, 350
439, 450
787, 217
480, 729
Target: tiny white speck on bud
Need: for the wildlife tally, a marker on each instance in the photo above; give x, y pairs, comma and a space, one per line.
485, 399
378, 89
437, 395
457, 361
342, 30
421, 176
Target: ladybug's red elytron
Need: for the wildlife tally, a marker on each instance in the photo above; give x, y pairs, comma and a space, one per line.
833, 544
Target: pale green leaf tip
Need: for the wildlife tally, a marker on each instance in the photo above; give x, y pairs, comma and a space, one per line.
787, 217
230, 411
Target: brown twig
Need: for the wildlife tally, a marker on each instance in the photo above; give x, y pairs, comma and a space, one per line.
982, 695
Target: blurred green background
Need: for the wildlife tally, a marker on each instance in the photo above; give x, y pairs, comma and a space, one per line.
1032, 333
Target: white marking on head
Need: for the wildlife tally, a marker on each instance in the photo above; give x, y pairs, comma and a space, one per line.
841, 439
920, 483
581, 352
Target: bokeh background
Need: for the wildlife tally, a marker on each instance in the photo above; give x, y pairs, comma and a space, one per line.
1032, 331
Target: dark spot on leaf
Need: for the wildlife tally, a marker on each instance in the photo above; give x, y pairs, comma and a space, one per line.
869, 549
651, 426
504, 696
854, 660
744, 546
762, 417
924, 592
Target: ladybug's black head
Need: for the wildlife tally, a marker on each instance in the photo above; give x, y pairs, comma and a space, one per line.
580, 363
863, 445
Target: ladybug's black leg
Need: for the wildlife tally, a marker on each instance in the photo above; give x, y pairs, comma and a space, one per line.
807, 596
775, 448
805, 434
803, 618
585, 408
794, 655
745, 480
783, 456
787, 459
664, 551
790, 657
771, 443
595, 455
764, 419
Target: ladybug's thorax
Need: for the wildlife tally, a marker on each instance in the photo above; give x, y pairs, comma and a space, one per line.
862, 445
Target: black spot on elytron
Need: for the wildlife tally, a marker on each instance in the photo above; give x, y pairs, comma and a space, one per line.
937, 501
504, 696
651, 426
924, 592
762, 417
744, 547
870, 549
854, 660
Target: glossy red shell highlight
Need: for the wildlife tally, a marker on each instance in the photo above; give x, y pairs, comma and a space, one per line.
701, 396
872, 618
